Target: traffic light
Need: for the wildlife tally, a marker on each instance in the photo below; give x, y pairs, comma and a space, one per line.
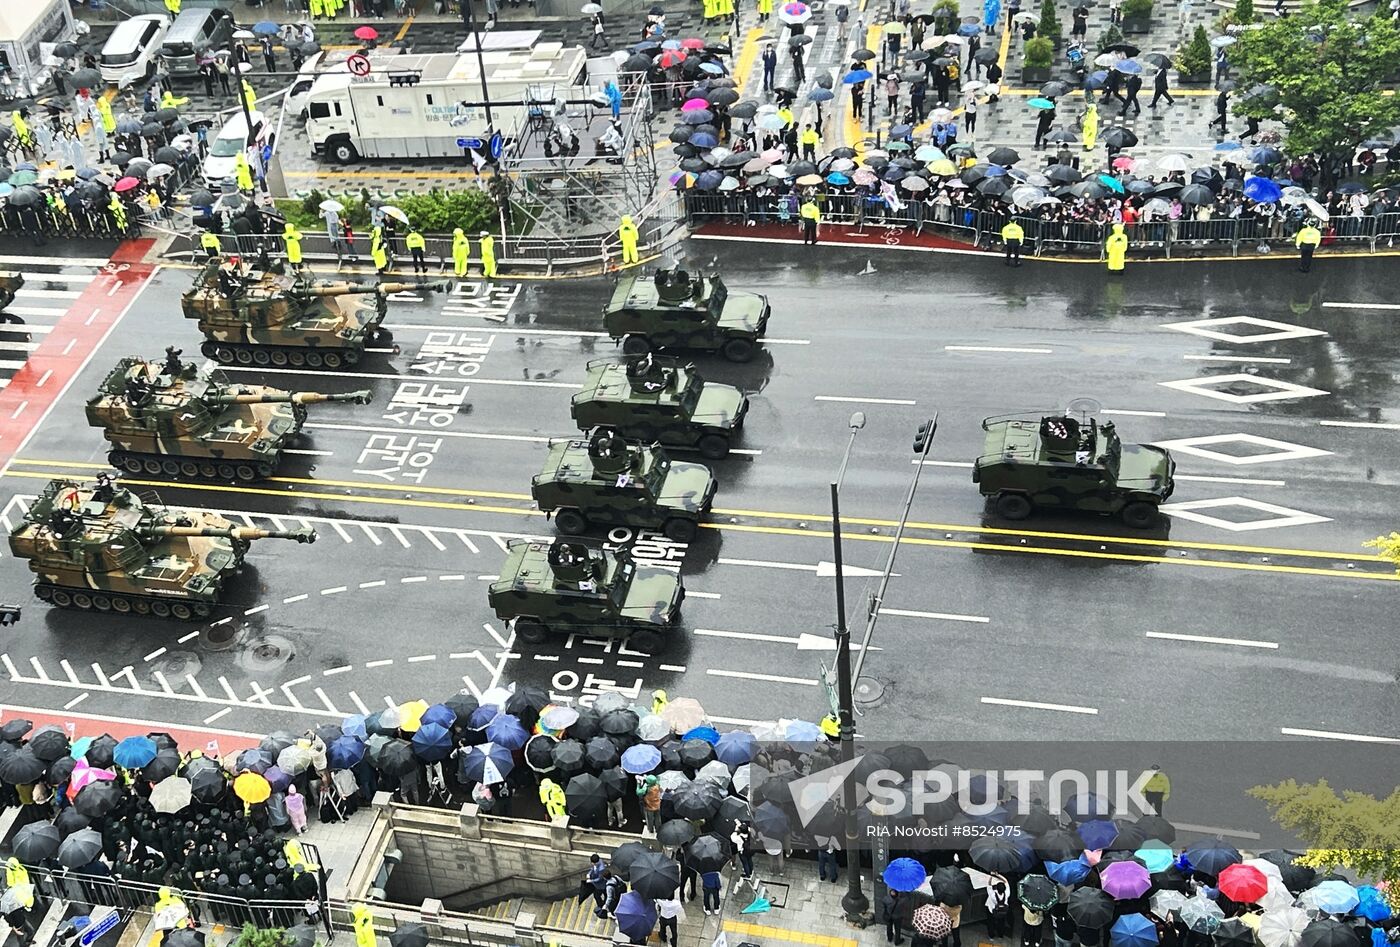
923, 437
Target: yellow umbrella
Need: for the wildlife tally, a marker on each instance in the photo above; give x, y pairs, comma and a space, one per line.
1250, 920
894, 26
251, 788
411, 715
943, 167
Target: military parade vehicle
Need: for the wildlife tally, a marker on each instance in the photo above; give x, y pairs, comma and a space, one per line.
102, 548
1060, 463
176, 419
656, 399
608, 479
674, 310
10, 284
268, 317
569, 587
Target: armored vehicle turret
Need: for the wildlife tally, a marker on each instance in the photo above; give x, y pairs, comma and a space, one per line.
1061, 463
656, 399
174, 419
571, 587
102, 548
267, 317
11, 282
675, 310
607, 479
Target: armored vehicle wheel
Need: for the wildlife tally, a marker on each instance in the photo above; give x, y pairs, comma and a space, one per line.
1140, 515
571, 522
140, 606
102, 603
171, 468
739, 350
314, 360
226, 472
243, 356
160, 609
351, 357
245, 472
332, 359
1013, 506
297, 359
713, 446
182, 611
82, 600
208, 469
121, 604
151, 466
635, 345
648, 641
224, 355
530, 630
62, 599
279, 358
202, 611
262, 357
130, 464
264, 471
189, 468
44, 593
679, 530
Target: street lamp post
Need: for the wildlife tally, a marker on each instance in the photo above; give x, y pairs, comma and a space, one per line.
469, 18
240, 36
854, 902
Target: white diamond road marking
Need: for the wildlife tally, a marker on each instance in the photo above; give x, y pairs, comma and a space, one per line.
1283, 390
1282, 330
1279, 515
1277, 450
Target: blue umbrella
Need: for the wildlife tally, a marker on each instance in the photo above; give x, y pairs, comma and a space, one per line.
1373, 906
709, 734
26, 166
698, 117
995, 171
481, 716
440, 714
486, 763
640, 759
671, 44
800, 732
857, 75
1068, 873
904, 874
735, 748
703, 140
1098, 834
1262, 190
1155, 855
837, 178
1096, 80
432, 743
265, 28
1334, 897
277, 779
1213, 855
1112, 183
820, 95
969, 29
1087, 806
636, 916
709, 180
507, 730
345, 752
713, 68
134, 752
1133, 930
1129, 67
354, 726
1228, 146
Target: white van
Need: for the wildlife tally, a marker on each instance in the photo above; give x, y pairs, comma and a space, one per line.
130, 52
219, 164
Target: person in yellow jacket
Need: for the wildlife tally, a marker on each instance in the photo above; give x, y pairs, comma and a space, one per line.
291, 236
209, 242
726, 7
21, 127
831, 727
552, 796
1116, 248
461, 253
1090, 130
811, 219
168, 100
1012, 236
104, 113
377, 251
659, 700
809, 139
242, 173
627, 233
1157, 789
488, 255
363, 922
786, 115
118, 211
765, 10
416, 247
711, 9
1307, 243
15, 873
316, 8
249, 95
173, 6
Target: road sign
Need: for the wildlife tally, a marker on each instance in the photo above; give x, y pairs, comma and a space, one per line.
94, 931
498, 145
469, 142
358, 65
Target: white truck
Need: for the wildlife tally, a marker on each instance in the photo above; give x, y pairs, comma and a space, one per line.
431, 105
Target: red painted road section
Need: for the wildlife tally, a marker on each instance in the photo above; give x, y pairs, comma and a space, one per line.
844, 234
91, 725
56, 362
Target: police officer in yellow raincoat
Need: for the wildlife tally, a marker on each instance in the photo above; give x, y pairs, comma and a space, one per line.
1116, 248
461, 253
488, 255
627, 233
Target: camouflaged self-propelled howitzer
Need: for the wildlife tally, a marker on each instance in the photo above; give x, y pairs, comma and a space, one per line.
269, 318
102, 548
174, 419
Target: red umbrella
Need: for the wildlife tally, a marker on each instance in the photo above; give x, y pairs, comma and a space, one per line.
672, 57
1244, 884
693, 42
126, 184
366, 33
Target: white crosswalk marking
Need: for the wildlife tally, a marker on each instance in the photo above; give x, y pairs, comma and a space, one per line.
41, 303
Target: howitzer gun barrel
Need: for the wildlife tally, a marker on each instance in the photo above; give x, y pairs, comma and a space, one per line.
295, 397
236, 532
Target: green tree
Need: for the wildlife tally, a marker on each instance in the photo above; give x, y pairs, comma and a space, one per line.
1244, 12
1110, 37
1194, 58
252, 936
1387, 548
1329, 71
1049, 25
1353, 830
1040, 52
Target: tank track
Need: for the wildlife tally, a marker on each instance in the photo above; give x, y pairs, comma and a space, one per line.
246, 354
123, 603
190, 468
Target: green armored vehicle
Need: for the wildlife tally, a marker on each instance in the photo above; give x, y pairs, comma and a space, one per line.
10, 283
570, 587
1060, 463
655, 399
175, 419
673, 310
607, 479
270, 318
102, 548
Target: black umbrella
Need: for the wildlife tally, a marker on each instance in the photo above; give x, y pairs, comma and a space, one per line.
771, 821
1061, 136
1233, 933
1196, 194
986, 55
1330, 933
87, 79
26, 196
1003, 156
36, 842
463, 705
22, 766
397, 759
539, 753
696, 752
993, 187
586, 795
207, 784
11, 731
1092, 190
670, 754
698, 800
693, 165
600, 753
709, 852
1059, 845
617, 782
1090, 907
681, 134
166, 763
951, 885
527, 701
255, 760
637, 62
70, 820
97, 799
80, 848
1038, 892
655, 875
1118, 137
1127, 49
675, 833
625, 855
568, 757
409, 935
185, 937
302, 935
1209, 177
1159, 60
1130, 835
49, 743
732, 810
722, 97
1037, 820
743, 109
1295, 877
172, 156
277, 741
996, 853
619, 722
1054, 89
61, 770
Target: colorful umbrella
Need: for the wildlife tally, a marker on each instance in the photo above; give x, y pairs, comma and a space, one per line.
1038, 892
366, 33
931, 921
133, 752
1133, 930
904, 874
795, 12
1039, 103
252, 787
1125, 880
1243, 883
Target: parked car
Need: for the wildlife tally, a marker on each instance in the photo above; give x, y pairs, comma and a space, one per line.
231, 139
129, 55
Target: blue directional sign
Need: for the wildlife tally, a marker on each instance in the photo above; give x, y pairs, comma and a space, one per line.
498, 145
469, 143
94, 931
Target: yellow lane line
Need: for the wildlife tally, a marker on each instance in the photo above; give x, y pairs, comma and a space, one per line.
783, 933
747, 57
797, 517
403, 30
1005, 47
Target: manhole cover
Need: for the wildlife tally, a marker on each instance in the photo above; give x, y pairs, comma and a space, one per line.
219, 637
868, 690
175, 665
266, 653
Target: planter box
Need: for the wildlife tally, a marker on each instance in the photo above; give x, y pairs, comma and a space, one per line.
1195, 78
1136, 26
1035, 75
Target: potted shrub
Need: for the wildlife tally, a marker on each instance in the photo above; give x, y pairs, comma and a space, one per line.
1137, 16
1035, 68
945, 17
1049, 25
1193, 61
1110, 37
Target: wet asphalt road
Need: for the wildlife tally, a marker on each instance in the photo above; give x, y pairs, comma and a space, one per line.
1097, 623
